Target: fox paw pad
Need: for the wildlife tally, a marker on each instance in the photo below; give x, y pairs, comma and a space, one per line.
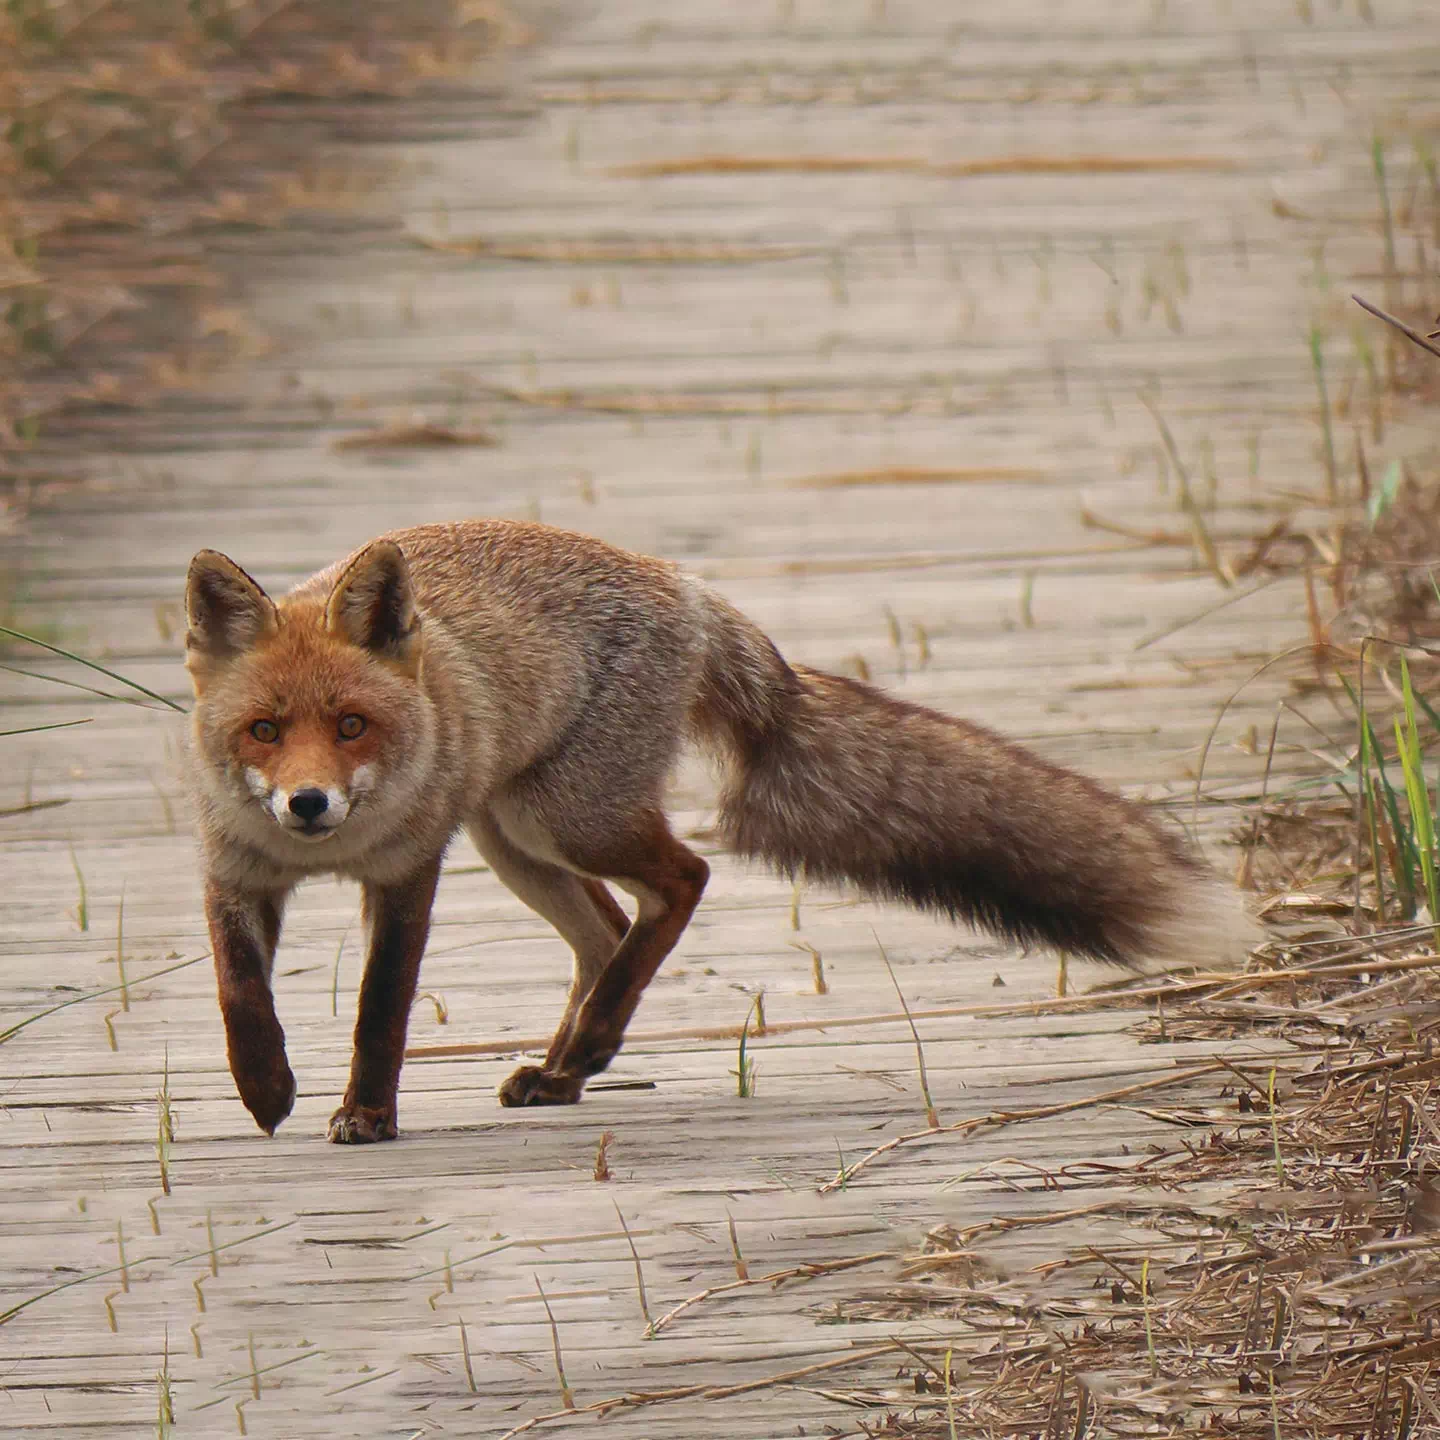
362, 1125
530, 1085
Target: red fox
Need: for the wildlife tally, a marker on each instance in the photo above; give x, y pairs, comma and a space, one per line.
535, 687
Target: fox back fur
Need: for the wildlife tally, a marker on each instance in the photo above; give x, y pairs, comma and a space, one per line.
535, 687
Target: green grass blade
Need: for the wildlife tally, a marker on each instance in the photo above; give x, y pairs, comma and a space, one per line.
1407, 876
1368, 786
89, 664
75, 685
1409, 881
1422, 817
35, 729
1431, 714
29, 1020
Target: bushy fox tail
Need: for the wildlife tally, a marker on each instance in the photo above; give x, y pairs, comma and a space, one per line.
831, 778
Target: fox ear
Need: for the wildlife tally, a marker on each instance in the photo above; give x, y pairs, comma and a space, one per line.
373, 606
226, 610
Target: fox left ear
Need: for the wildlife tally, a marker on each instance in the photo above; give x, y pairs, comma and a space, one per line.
225, 610
373, 606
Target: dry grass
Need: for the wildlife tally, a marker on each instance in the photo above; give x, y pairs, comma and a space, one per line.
136, 133
617, 250
1274, 1269
417, 436
915, 165
923, 475
1305, 1302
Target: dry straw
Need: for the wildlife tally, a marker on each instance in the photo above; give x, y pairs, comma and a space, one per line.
154, 124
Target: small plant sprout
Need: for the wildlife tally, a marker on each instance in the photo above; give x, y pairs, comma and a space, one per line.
1027, 601
932, 1116
567, 1398
817, 965
1422, 814
639, 1273
164, 1395
1317, 363
745, 1067
742, 1270
1203, 543
465, 1359
1387, 219
1398, 831
921, 636
447, 1270
82, 904
120, 952
601, 1169
335, 976
897, 642
165, 1127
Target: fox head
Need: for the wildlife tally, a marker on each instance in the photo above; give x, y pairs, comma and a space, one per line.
306, 708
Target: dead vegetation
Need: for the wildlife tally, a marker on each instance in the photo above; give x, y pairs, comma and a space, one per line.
1303, 1302
916, 165
138, 137
417, 435
1277, 1269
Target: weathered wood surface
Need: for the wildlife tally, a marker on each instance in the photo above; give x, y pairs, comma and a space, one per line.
684, 363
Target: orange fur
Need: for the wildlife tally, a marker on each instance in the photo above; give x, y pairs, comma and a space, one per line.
535, 687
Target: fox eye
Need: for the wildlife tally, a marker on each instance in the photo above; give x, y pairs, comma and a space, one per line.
267, 732
352, 727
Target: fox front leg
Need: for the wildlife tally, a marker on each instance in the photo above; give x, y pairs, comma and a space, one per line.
244, 930
397, 919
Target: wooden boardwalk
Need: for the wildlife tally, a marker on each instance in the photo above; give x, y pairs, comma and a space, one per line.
870, 392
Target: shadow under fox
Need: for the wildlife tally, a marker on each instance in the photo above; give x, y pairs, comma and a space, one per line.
535, 687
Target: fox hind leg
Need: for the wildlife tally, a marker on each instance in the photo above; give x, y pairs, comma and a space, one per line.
667, 881
580, 908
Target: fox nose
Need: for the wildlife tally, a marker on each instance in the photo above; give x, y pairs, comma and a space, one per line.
308, 805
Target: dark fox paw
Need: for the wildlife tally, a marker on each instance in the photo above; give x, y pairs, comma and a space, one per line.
530, 1085
268, 1091
354, 1124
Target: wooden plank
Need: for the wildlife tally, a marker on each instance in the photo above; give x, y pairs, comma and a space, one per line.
675, 403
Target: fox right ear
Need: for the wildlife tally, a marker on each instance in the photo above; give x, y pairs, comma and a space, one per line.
226, 610
373, 605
